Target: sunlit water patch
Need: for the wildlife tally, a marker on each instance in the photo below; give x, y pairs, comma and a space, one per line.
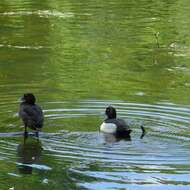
83, 158
40, 13
21, 47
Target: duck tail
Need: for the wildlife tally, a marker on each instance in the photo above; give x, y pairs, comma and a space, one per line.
143, 132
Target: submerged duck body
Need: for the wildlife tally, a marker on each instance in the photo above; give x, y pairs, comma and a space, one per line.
30, 113
113, 125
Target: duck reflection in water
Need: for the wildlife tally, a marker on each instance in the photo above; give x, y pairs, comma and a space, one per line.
29, 152
114, 128
112, 138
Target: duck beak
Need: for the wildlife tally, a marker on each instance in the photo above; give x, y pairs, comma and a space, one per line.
21, 99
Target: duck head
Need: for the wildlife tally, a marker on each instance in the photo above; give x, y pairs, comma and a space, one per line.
29, 98
111, 112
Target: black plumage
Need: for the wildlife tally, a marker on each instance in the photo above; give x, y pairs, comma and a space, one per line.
31, 113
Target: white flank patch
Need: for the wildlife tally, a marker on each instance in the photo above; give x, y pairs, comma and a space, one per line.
108, 127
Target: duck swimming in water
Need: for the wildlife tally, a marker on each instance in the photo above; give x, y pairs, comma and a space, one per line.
30, 113
116, 126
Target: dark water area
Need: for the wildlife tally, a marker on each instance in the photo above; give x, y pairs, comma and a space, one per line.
78, 57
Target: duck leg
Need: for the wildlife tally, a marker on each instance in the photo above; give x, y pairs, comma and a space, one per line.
25, 131
36, 133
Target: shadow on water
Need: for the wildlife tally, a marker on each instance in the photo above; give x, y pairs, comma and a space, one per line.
29, 152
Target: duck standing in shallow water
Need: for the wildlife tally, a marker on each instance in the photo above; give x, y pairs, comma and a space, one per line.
31, 114
114, 125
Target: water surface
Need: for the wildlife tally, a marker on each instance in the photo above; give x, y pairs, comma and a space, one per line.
78, 57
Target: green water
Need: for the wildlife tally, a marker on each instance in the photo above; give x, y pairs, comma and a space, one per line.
78, 57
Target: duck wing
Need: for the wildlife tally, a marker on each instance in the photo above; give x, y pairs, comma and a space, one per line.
31, 115
122, 125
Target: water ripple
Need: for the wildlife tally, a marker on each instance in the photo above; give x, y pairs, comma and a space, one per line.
161, 157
